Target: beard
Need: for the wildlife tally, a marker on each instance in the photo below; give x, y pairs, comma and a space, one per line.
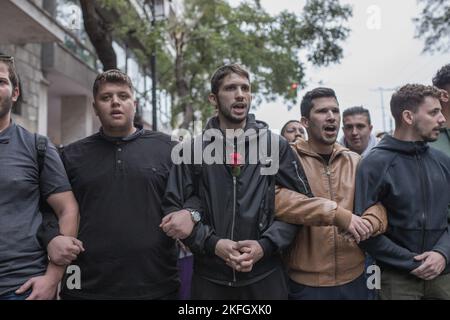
429, 139
6, 105
422, 133
226, 113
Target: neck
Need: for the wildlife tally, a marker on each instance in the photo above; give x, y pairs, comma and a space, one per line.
5, 121
224, 124
116, 133
321, 148
406, 135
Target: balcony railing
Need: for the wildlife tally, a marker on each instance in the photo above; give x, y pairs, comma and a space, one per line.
69, 16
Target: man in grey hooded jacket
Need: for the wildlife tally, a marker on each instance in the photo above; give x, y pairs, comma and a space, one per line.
357, 130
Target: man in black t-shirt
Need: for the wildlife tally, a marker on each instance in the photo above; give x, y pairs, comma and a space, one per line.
119, 177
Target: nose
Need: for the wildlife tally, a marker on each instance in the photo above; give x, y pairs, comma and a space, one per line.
330, 116
239, 93
115, 99
354, 131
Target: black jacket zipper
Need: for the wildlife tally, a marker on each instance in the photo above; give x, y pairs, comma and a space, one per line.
422, 189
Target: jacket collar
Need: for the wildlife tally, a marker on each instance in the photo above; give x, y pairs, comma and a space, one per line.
251, 123
304, 147
372, 143
134, 136
406, 147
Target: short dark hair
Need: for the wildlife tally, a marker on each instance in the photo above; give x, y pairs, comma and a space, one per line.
9, 61
112, 76
283, 130
223, 71
307, 104
410, 97
357, 110
442, 77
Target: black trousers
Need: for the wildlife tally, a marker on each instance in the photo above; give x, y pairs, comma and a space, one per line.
273, 287
354, 290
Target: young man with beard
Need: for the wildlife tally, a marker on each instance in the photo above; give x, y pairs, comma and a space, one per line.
442, 81
119, 176
412, 181
236, 242
324, 262
25, 272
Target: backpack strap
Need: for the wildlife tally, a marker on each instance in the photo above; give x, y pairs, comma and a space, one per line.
41, 148
49, 227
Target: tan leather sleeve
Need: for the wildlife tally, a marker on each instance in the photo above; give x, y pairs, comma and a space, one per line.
377, 216
296, 208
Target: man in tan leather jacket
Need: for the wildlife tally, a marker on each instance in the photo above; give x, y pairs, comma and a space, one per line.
324, 261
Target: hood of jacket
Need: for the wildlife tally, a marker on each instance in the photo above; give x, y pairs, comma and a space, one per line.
372, 143
406, 147
252, 133
304, 147
252, 123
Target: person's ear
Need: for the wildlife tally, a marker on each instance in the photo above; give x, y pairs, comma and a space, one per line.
305, 122
444, 96
213, 99
15, 94
95, 108
408, 117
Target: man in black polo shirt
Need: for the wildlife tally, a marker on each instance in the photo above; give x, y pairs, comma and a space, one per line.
119, 177
25, 272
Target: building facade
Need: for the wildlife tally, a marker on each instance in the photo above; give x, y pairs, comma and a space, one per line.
57, 66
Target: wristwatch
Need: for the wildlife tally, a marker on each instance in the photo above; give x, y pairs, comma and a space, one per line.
195, 215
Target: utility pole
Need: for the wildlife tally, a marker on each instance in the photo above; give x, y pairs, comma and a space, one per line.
383, 113
153, 71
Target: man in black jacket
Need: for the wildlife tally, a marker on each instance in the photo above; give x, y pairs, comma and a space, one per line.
235, 240
412, 181
119, 176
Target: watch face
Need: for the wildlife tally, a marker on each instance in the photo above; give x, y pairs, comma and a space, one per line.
196, 216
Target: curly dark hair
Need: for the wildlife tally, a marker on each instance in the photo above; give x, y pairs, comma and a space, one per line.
410, 97
442, 77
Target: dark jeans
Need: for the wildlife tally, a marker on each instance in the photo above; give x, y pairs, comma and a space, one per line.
273, 287
355, 290
13, 296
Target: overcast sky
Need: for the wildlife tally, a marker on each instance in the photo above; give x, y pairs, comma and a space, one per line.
383, 55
